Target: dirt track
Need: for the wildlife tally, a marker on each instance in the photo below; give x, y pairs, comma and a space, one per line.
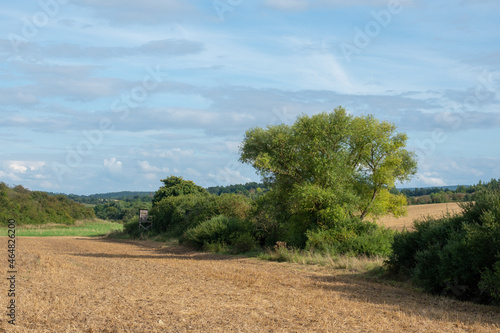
97, 285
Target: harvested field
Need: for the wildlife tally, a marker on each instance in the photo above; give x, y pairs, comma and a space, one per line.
419, 211
76, 284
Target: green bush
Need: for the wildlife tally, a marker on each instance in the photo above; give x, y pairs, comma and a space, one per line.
457, 255
132, 228
175, 215
267, 228
353, 237
221, 230
490, 282
244, 243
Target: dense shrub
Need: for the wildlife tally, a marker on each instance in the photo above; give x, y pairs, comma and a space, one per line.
490, 282
264, 217
175, 215
455, 255
353, 237
177, 186
221, 230
132, 227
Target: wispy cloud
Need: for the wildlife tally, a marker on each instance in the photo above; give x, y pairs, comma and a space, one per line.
432, 70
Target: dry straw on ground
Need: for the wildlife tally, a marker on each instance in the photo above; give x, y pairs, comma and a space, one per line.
71, 284
418, 212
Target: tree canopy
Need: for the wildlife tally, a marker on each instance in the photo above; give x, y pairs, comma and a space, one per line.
175, 186
331, 166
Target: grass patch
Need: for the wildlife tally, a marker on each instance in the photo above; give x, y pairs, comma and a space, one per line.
350, 263
81, 228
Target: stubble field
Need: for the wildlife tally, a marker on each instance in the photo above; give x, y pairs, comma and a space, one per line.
418, 212
77, 284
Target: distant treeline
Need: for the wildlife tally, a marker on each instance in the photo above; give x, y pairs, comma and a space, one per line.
124, 206
116, 206
121, 210
458, 193
129, 196
34, 207
251, 189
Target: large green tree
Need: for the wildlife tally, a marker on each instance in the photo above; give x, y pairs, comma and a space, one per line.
174, 186
330, 166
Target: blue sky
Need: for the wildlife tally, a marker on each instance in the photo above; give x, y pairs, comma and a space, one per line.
108, 95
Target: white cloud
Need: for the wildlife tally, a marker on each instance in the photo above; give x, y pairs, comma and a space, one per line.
193, 172
226, 176
23, 166
48, 185
113, 165
430, 179
148, 168
176, 153
150, 176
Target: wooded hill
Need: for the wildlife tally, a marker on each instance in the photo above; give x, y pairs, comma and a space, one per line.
34, 207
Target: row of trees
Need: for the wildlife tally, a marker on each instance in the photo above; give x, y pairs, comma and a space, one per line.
120, 210
128, 196
441, 195
327, 176
251, 189
34, 207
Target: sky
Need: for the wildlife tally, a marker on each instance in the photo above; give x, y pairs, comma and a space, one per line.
114, 95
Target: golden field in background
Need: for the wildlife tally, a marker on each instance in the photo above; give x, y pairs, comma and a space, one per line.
418, 212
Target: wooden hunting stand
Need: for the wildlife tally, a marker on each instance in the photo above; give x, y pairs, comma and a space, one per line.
145, 221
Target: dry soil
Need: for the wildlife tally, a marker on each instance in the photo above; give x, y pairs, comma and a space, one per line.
76, 284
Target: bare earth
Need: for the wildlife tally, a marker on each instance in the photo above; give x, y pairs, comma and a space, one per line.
75, 284
417, 212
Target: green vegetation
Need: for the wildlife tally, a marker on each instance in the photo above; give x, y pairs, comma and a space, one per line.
28, 207
175, 215
458, 193
457, 255
361, 264
177, 186
222, 230
252, 189
120, 210
95, 199
327, 170
352, 237
117, 206
325, 177
87, 229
